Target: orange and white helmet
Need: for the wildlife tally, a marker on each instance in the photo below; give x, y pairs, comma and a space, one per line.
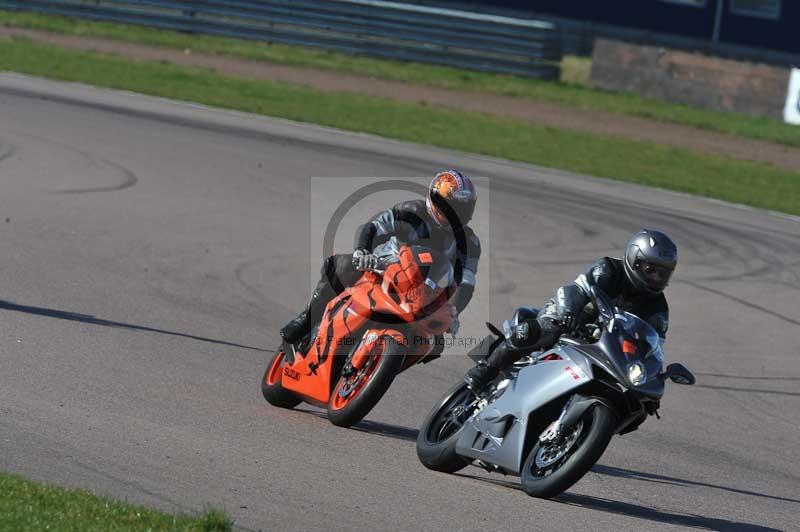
451, 198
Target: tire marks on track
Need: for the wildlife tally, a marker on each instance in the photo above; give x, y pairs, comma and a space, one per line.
255, 295
746, 303
744, 250
129, 181
129, 178
747, 390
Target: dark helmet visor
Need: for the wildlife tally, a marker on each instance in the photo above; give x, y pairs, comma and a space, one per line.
655, 275
457, 213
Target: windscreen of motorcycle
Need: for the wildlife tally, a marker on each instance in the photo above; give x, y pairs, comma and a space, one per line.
388, 252
647, 340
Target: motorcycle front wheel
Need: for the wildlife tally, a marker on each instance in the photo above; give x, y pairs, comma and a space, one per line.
355, 395
436, 442
553, 466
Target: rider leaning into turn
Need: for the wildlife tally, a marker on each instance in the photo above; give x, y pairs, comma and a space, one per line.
635, 283
439, 222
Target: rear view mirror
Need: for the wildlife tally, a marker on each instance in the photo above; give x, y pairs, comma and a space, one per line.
678, 374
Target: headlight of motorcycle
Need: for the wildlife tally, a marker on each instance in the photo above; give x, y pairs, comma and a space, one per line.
636, 373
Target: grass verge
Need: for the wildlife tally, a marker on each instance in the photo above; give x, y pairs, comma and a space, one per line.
567, 93
754, 184
27, 505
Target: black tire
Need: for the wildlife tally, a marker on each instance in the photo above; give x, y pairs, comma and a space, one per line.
440, 454
598, 428
370, 392
271, 388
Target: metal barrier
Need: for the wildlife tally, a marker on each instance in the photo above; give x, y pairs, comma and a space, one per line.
380, 28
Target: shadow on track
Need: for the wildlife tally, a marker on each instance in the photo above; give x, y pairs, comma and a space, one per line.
748, 378
374, 427
86, 318
636, 510
659, 516
663, 479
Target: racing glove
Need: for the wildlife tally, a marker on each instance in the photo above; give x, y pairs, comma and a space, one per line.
568, 322
364, 260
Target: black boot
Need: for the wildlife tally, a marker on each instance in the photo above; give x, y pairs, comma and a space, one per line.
295, 330
298, 328
488, 368
480, 375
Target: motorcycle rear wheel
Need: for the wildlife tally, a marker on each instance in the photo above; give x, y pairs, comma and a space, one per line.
591, 437
271, 388
351, 400
436, 441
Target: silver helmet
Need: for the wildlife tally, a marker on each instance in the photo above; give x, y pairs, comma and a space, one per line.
650, 259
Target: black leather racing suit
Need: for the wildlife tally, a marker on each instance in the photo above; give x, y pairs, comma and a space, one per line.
410, 222
570, 308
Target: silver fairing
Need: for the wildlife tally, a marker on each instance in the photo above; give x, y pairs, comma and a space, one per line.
496, 434
626, 360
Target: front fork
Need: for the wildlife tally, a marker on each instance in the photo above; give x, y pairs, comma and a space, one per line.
370, 343
364, 350
577, 405
418, 352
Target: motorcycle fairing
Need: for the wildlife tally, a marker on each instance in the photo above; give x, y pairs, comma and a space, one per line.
597, 354
310, 375
498, 438
372, 303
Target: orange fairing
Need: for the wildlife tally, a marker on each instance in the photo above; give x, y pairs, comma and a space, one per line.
419, 299
373, 307
402, 277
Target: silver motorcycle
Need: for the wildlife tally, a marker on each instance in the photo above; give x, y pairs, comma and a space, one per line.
550, 417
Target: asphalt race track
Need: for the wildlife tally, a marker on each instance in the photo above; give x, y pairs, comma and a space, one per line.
150, 250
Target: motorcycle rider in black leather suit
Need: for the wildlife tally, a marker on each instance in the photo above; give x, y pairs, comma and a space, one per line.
439, 221
635, 283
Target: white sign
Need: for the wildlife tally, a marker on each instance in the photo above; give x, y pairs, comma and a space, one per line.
791, 113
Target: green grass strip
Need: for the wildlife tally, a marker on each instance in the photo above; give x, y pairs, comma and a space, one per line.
32, 506
567, 94
750, 183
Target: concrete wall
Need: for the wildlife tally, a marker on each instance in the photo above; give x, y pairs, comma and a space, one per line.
691, 78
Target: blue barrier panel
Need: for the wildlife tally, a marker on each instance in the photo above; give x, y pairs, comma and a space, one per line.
379, 28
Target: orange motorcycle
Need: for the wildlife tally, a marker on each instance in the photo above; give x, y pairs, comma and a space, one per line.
393, 317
